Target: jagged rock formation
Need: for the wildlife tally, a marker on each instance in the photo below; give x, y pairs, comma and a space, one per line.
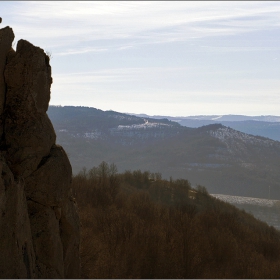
39, 224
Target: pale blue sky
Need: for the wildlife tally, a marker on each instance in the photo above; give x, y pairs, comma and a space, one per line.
160, 58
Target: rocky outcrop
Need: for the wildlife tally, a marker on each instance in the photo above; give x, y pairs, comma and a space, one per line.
39, 224
29, 134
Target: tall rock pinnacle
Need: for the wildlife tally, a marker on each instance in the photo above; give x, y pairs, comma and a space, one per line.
39, 224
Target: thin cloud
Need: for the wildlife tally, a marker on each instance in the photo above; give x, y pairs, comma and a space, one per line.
229, 49
146, 21
80, 51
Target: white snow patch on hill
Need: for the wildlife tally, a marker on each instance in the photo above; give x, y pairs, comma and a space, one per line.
246, 200
226, 135
145, 125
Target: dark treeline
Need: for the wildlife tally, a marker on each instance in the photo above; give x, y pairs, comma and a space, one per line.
136, 225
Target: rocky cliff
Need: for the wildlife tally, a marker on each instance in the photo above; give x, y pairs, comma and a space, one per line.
39, 224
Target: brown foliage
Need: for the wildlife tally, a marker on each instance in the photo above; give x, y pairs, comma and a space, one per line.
135, 227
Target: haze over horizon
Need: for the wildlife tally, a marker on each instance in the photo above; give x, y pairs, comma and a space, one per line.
158, 58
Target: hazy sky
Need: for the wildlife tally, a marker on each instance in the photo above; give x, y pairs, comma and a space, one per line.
160, 58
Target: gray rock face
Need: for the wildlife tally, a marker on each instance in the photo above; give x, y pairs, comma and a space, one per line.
39, 223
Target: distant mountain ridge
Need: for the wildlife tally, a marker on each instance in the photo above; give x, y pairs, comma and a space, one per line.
93, 123
266, 126
265, 118
221, 158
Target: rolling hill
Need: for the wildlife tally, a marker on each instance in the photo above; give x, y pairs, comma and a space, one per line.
224, 160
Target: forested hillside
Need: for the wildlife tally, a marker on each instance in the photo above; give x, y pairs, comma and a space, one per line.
137, 225
225, 160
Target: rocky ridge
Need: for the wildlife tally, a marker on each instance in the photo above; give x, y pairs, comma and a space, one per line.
39, 223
